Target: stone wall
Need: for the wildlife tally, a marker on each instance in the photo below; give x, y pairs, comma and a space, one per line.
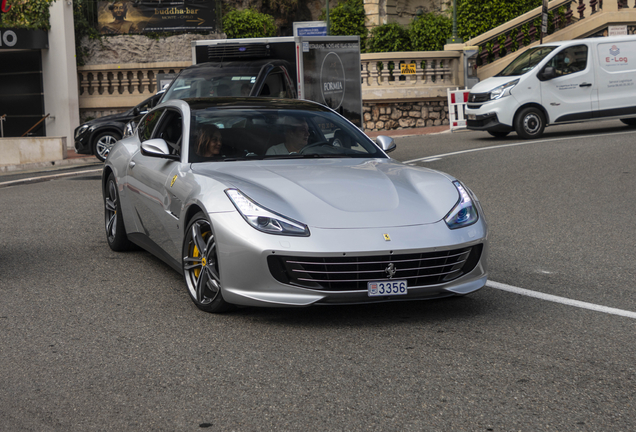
141, 49
404, 115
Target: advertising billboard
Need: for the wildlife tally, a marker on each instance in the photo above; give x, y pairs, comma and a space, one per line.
127, 17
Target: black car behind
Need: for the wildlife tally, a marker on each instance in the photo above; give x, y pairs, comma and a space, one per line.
98, 136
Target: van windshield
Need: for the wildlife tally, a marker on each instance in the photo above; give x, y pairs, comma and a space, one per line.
526, 61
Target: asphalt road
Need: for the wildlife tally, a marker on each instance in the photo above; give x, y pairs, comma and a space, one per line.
91, 339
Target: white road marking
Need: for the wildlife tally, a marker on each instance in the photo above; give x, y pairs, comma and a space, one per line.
437, 157
48, 177
562, 300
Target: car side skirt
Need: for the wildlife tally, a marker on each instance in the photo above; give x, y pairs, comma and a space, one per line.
145, 243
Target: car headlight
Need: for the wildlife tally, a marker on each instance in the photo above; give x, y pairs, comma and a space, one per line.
263, 219
465, 211
502, 90
81, 130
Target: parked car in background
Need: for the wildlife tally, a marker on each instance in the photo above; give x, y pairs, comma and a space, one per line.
283, 202
98, 136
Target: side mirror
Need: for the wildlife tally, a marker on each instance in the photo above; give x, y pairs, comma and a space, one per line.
386, 143
547, 73
156, 147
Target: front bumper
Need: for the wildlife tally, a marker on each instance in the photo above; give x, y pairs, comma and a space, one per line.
486, 122
494, 115
83, 144
247, 279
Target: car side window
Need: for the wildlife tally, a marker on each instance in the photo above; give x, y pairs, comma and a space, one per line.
571, 60
170, 129
147, 125
275, 85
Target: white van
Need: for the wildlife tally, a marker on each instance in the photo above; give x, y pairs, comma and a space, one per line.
558, 83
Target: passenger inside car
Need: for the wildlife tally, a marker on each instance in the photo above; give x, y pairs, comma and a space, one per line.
209, 141
296, 137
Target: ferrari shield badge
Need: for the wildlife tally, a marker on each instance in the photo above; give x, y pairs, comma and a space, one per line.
387, 237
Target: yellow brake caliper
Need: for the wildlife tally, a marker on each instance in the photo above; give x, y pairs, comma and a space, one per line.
195, 253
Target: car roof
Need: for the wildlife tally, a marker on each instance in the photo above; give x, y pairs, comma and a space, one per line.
254, 103
229, 67
612, 39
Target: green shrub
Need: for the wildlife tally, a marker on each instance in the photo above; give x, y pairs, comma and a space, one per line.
348, 19
430, 31
31, 14
248, 23
475, 17
389, 38
83, 16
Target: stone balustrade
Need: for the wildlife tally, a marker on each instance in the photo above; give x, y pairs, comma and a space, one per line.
108, 89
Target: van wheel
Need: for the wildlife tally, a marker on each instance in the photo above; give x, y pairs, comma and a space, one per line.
629, 122
530, 123
498, 134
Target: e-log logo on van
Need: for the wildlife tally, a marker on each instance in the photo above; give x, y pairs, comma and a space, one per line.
615, 59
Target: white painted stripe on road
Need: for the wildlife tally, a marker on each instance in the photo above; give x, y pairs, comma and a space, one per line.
562, 300
48, 177
437, 157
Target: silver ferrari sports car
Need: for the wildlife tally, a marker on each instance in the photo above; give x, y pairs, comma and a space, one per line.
273, 202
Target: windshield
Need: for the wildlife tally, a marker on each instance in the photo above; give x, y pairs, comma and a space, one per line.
526, 61
199, 83
255, 134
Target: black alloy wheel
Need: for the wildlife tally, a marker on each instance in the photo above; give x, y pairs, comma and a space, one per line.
201, 266
114, 221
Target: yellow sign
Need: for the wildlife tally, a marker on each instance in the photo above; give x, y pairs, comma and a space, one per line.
407, 68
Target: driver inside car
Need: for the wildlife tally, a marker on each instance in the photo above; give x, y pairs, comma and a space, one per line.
296, 137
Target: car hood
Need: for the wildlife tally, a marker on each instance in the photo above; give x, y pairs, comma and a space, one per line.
341, 193
488, 84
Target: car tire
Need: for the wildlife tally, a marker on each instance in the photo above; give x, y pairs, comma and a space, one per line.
498, 134
201, 266
114, 220
103, 143
629, 121
530, 123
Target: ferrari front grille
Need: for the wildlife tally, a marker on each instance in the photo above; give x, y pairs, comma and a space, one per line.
351, 273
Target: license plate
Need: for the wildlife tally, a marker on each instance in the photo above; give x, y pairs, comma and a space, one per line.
471, 117
385, 288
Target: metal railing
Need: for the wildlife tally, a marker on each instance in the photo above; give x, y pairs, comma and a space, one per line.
525, 30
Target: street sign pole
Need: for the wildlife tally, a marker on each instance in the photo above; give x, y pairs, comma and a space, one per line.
544, 21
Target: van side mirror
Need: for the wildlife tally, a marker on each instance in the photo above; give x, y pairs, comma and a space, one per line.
547, 73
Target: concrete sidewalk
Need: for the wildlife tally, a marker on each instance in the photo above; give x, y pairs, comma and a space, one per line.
73, 159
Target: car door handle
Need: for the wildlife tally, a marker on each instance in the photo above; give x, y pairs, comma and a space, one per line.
585, 85
131, 164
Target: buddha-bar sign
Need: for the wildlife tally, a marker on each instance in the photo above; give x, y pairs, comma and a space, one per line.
128, 17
